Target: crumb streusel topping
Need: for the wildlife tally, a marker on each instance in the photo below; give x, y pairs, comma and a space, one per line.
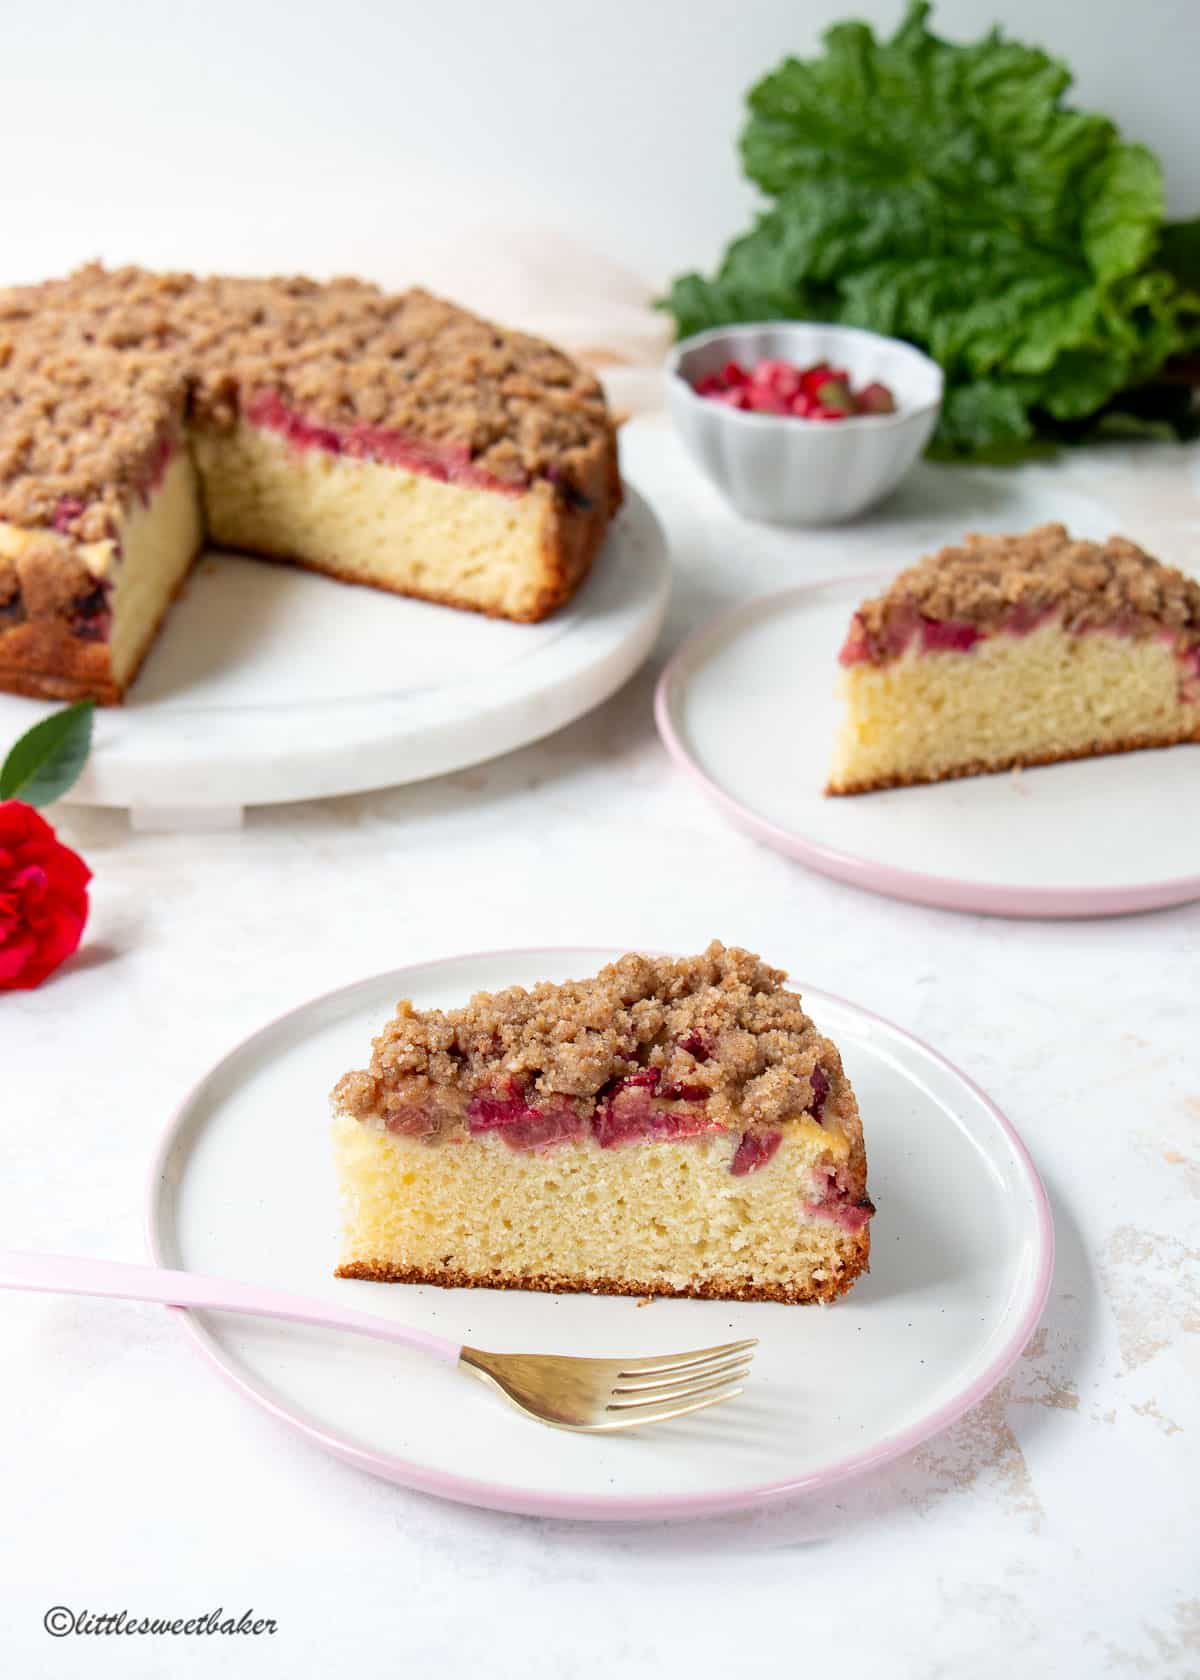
717, 1029
93, 368
990, 582
81, 432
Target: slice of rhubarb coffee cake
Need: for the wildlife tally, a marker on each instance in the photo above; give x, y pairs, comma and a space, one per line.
667, 1127
1012, 650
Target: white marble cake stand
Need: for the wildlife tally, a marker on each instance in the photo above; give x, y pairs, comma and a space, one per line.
271, 684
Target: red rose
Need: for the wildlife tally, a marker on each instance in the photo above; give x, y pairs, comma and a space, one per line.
43, 898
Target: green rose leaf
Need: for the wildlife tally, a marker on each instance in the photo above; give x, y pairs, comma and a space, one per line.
47, 760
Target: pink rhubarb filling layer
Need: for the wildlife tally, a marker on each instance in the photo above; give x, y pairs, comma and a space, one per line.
639, 1108
449, 463
91, 617
936, 635
952, 635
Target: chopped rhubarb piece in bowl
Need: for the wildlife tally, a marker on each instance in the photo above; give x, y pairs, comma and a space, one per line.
800, 423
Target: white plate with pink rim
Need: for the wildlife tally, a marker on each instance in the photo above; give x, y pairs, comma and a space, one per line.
748, 707
962, 1257
270, 683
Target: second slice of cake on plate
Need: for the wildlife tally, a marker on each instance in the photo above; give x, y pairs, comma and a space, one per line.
1017, 650
666, 1127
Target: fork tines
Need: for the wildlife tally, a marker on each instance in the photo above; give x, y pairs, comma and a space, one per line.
674, 1384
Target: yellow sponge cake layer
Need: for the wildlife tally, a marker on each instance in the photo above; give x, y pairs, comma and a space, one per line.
1008, 700
159, 541
366, 522
648, 1218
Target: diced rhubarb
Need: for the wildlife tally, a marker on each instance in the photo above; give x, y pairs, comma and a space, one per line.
636, 1107
1189, 676
835, 397
948, 635
774, 386
754, 1151
1024, 617
813, 376
410, 1120
697, 1044
91, 619
857, 646
835, 1202
780, 377
491, 1109
876, 399
626, 1110
67, 510
541, 1127
522, 1125
765, 400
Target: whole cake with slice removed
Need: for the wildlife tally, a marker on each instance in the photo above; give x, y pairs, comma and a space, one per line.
667, 1127
1004, 651
390, 440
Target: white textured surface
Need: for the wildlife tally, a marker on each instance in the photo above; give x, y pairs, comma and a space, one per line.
1053, 1531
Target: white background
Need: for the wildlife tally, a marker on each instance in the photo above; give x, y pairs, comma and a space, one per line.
345, 135
1054, 1529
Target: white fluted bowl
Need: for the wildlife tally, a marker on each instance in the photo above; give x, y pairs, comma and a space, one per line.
786, 471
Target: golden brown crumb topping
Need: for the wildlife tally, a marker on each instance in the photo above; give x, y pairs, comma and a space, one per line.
992, 581
719, 1028
81, 430
94, 368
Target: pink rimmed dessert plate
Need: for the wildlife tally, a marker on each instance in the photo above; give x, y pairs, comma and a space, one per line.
243, 1187
748, 708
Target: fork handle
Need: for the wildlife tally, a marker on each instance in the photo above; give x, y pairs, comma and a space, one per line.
67, 1274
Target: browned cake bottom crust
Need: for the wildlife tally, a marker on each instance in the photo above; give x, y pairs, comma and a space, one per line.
446, 1277
1019, 761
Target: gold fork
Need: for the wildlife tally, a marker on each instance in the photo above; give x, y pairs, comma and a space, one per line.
600, 1396
596, 1396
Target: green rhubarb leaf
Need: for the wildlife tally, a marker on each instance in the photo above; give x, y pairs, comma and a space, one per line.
947, 194
47, 760
1179, 252
1122, 212
984, 420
